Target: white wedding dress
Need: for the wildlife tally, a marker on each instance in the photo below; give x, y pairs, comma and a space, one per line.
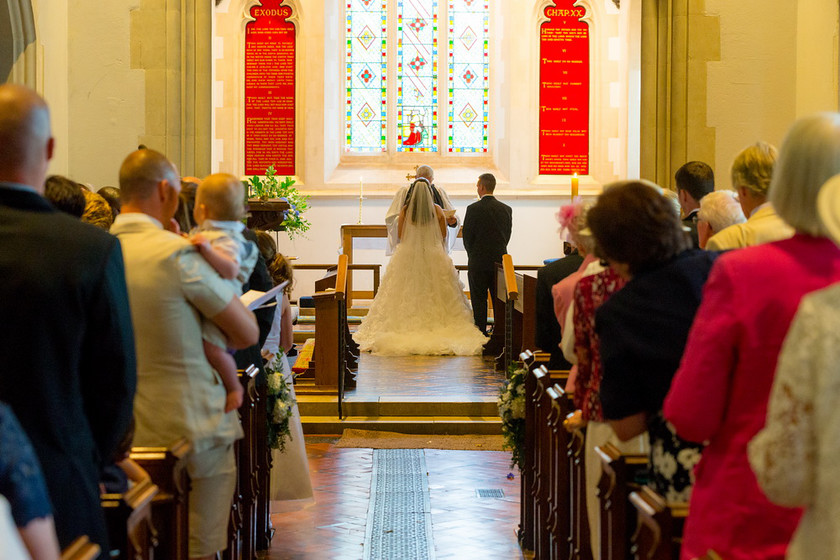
420, 307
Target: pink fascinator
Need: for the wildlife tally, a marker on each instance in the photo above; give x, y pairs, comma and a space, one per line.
568, 216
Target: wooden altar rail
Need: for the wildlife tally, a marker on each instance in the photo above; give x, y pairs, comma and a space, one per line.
349, 232
375, 268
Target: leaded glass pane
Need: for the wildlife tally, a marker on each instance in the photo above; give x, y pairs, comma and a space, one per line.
417, 67
366, 35
469, 75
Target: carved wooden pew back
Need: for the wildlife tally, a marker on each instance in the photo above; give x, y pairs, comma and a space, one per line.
170, 506
618, 475
129, 520
659, 526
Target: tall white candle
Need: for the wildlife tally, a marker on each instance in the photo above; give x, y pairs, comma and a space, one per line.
361, 188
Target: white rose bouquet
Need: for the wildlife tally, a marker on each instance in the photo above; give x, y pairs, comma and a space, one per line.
512, 412
279, 405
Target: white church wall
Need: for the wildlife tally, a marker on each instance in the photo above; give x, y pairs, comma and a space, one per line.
96, 98
778, 62
51, 40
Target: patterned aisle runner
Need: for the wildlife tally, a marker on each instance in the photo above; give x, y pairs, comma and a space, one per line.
399, 523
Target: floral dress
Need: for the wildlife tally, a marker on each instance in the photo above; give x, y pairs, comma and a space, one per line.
590, 293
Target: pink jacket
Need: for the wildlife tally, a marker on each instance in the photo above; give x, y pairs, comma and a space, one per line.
720, 392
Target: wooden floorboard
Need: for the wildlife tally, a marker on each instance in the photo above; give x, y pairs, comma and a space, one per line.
464, 525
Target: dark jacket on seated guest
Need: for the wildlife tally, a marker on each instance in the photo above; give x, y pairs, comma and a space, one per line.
548, 329
643, 329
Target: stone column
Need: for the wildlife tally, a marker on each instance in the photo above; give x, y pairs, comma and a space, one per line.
678, 40
172, 41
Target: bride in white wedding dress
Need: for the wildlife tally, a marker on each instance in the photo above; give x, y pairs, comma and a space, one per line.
420, 307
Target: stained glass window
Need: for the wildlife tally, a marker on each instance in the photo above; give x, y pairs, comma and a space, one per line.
468, 75
401, 38
417, 67
366, 75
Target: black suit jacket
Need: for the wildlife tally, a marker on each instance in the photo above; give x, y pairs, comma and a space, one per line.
548, 329
67, 361
487, 226
690, 222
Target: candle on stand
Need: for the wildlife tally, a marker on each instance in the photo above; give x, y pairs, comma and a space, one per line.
574, 185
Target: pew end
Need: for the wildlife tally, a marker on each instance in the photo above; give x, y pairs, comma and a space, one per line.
81, 549
619, 473
167, 468
659, 527
129, 520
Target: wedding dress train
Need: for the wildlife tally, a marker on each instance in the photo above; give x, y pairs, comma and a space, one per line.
420, 307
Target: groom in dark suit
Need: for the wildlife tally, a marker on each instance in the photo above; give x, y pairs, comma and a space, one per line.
487, 226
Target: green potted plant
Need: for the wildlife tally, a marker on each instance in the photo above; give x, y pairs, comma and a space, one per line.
276, 204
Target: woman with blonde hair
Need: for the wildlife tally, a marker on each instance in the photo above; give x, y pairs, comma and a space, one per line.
752, 172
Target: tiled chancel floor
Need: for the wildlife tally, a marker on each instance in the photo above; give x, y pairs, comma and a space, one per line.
464, 525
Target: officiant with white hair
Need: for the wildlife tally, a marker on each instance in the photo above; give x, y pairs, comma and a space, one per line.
453, 222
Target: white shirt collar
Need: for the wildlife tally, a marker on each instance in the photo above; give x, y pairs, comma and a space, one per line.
137, 218
224, 224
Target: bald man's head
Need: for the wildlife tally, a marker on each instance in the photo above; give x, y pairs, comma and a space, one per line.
222, 197
426, 172
25, 136
142, 171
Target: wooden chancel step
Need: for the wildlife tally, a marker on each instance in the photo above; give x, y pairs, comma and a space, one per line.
403, 414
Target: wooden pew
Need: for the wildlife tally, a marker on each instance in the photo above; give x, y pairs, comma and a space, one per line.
538, 462
618, 475
580, 546
242, 528
659, 526
514, 314
558, 522
81, 549
170, 507
263, 467
128, 517
526, 511
333, 346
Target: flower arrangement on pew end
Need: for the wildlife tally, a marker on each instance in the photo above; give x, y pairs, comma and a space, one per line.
512, 412
279, 405
269, 187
